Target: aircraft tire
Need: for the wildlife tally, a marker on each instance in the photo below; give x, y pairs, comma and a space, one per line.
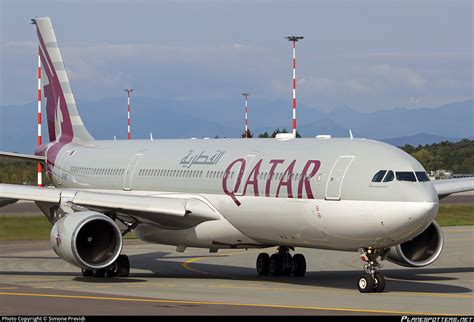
276, 265
99, 272
299, 265
379, 282
124, 266
366, 283
263, 264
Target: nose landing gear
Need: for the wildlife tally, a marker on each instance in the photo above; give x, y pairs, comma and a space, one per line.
371, 280
281, 263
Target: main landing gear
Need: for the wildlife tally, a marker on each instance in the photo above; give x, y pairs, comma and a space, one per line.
281, 263
119, 268
371, 280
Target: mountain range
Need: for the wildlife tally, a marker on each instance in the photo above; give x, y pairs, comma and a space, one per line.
107, 118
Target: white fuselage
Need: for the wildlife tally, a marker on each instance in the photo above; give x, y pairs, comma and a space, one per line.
303, 192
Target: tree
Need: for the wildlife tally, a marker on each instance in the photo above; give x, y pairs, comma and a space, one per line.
249, 134
423, 156
408, 148
468, 165
264, 135
456, 156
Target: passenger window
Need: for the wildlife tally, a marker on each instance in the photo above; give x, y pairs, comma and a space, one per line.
389, 177
406, 176
422, 176
379, 176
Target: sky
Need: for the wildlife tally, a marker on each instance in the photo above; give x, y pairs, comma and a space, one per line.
369, 55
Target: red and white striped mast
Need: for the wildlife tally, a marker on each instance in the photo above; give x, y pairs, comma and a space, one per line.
129, 92
294, 39
40, 140
246, 95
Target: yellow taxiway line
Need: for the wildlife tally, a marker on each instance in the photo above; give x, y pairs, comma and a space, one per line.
145, 300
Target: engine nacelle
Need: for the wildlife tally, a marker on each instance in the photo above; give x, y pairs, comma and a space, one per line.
87, 239
422, 250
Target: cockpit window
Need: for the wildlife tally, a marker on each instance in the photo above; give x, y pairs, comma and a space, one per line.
406, 176
389, 177
422, 176
379, 176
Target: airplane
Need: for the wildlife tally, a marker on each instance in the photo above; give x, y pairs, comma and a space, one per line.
342, 194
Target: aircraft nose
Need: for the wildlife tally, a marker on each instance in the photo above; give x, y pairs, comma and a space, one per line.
420, 207
420, 213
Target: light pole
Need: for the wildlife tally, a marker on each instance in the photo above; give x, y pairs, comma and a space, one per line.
246, 95
40, 140
294, 39
129, 92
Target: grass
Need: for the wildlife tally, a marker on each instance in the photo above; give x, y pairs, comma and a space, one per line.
38, 227
20, 228
28, 228
456, 215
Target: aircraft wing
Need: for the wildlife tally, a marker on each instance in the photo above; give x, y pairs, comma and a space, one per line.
175, 211
29, 157
448, 186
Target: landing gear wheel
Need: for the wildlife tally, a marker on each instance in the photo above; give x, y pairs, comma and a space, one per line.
113, 269
124, 266
299, 265
119, 268
263, 264
99, 272
288, 264
372, 280
366, 283
379, 282
276, 265
87, 272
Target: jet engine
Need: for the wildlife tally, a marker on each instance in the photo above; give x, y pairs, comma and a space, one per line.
87, 239
422, 250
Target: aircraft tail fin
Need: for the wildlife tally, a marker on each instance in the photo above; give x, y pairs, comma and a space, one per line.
64, 121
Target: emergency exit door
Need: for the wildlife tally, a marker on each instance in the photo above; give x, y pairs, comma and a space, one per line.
336, 177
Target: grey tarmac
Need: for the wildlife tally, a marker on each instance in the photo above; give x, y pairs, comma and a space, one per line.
459, 198
35, 281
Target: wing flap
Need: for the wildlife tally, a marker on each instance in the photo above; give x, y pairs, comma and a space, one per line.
158, 205
167, 212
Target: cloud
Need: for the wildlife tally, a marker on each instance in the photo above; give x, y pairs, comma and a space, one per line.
158, 53
398, 75
215, 71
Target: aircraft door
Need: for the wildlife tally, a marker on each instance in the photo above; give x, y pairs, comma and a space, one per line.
336, 177
127, 179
